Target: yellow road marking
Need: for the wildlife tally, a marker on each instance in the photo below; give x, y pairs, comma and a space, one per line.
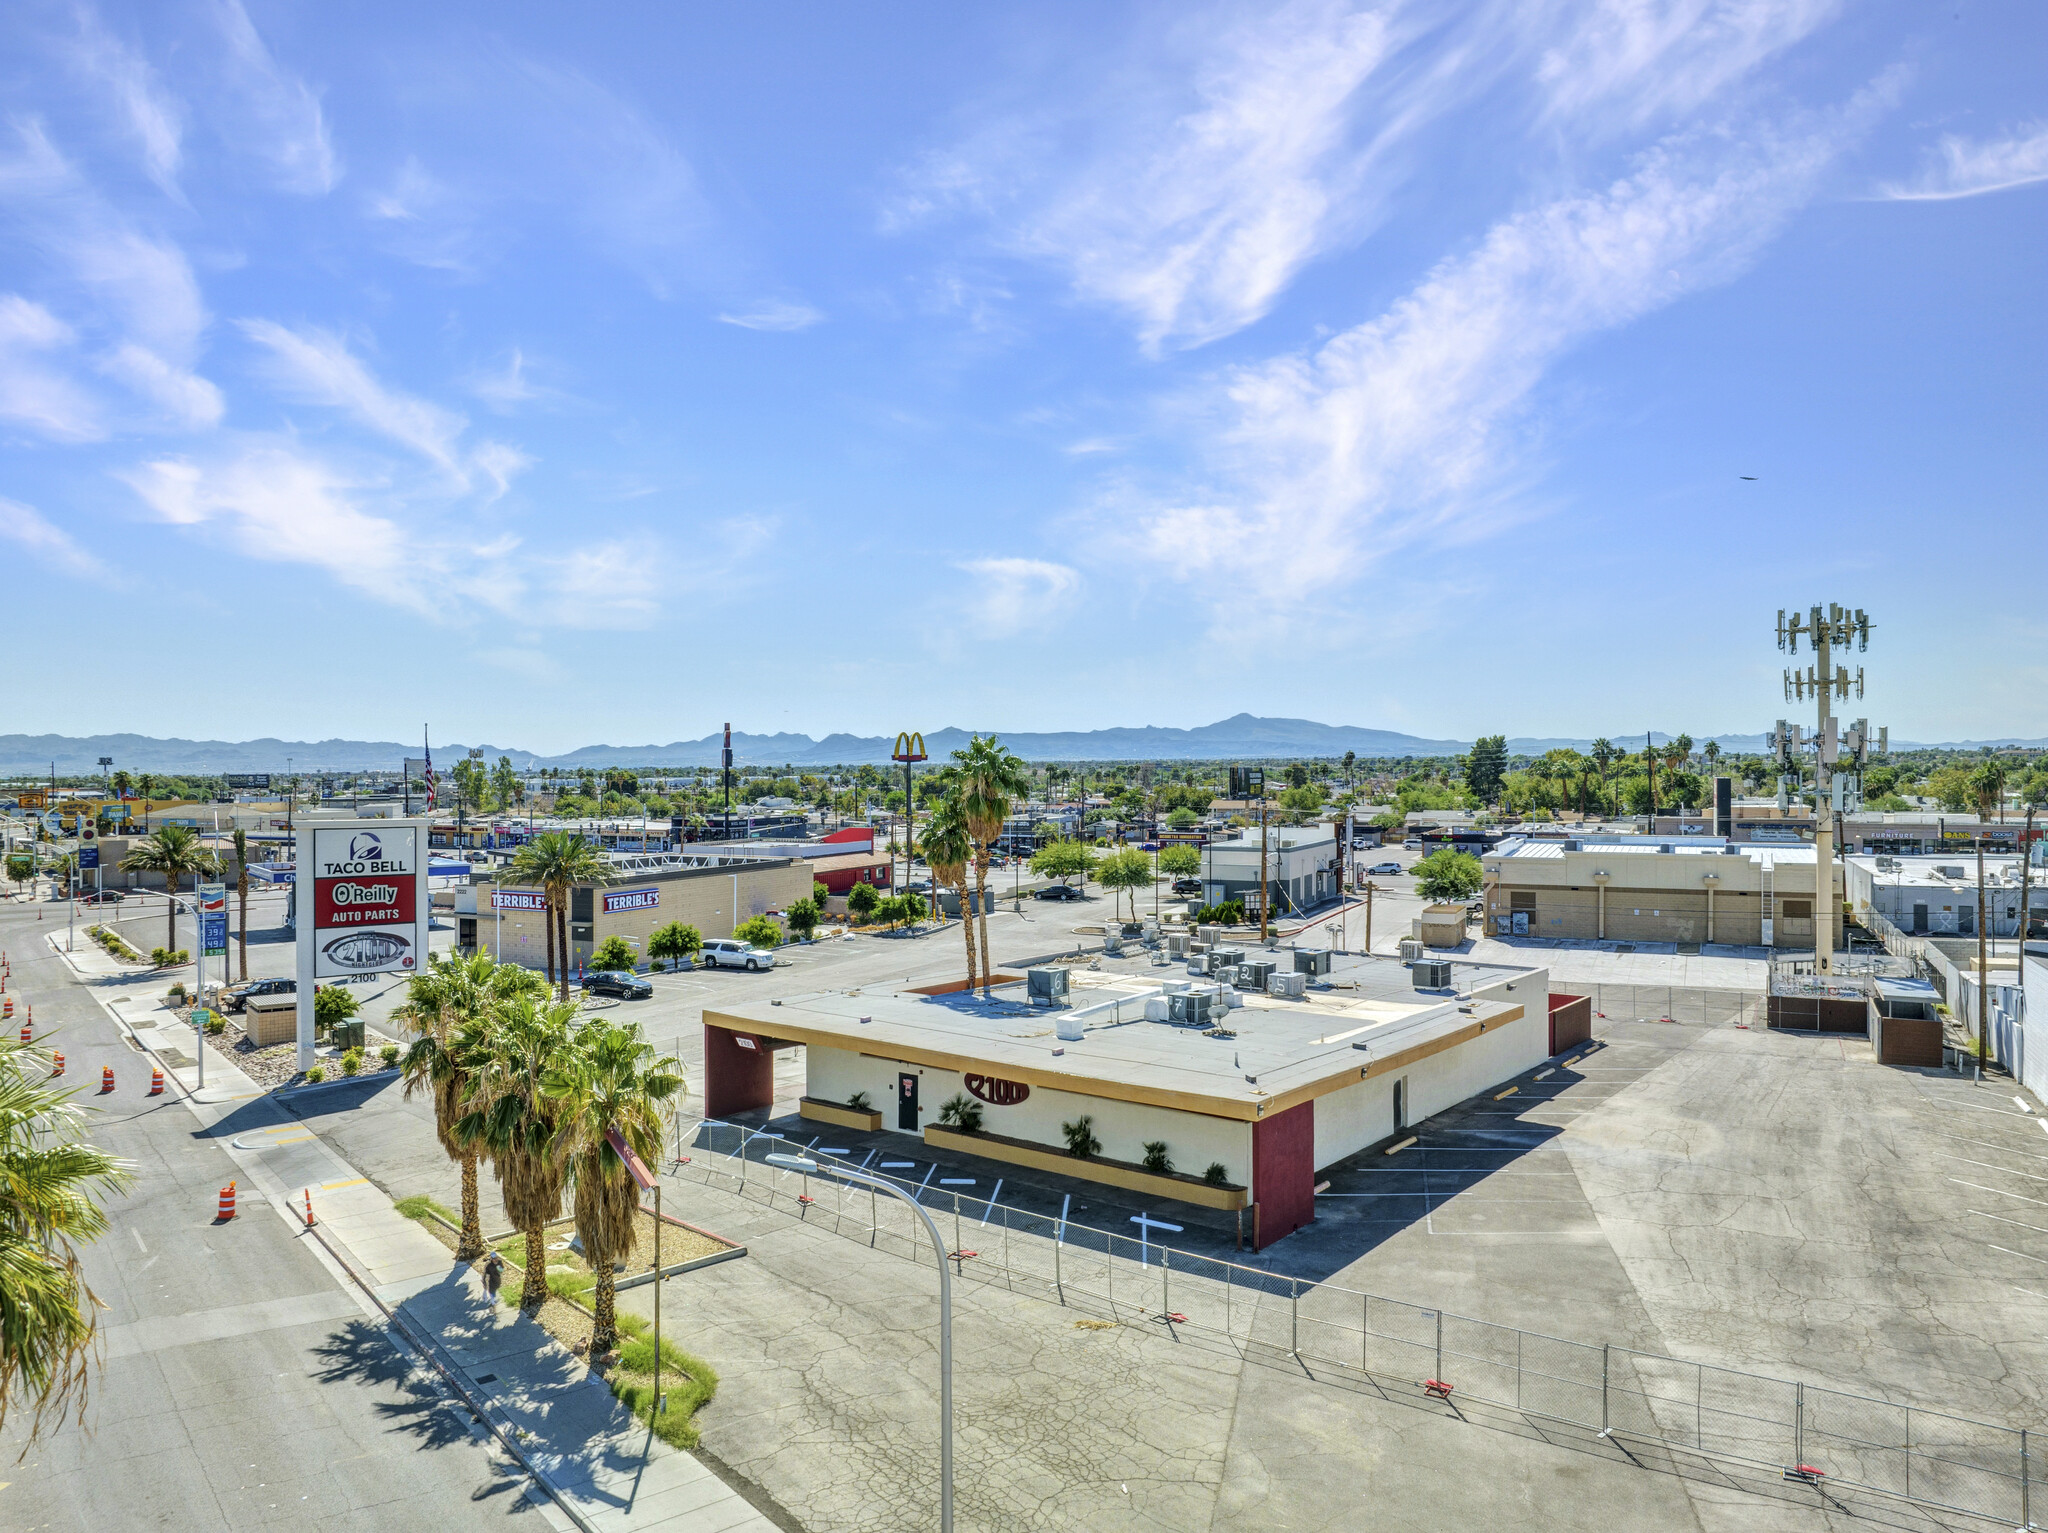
354, 1181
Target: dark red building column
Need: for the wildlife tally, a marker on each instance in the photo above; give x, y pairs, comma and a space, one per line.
1284, 1173
739, 1072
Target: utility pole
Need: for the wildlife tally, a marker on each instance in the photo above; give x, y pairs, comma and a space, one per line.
1824, 681
1265, 879
725, 771
2026, 878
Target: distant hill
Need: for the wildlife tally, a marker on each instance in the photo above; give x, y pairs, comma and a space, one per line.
1244, 737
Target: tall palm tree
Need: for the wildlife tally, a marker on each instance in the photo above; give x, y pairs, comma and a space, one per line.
51, 1183
515, 1045
557, 861
172, 850
947, 851
1603, 753
241, 840
1987, 786
992, 778
448, 1007
609, 1078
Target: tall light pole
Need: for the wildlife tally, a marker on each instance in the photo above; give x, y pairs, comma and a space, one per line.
881, 1184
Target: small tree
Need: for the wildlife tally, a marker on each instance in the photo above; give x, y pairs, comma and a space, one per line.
862, 899
760, 931
1063, 860
1448, 877
675, 942
333, 1005
1126, 871
1180, 861
1182, 818
803, 917
613, 953
961, 1111
1081, 1140
1156, 1158
819, 894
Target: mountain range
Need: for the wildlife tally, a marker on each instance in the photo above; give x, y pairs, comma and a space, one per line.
1244, 737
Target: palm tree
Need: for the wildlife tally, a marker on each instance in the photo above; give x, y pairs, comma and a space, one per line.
1987, 784
241, 840
51, 1181
171, 850
557, 861
991, 779
448, 1007
609, 1080
514, 1045
947, 851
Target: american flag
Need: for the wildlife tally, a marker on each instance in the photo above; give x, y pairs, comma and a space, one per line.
433, 782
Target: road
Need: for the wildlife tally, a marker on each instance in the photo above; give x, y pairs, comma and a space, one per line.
243, 1384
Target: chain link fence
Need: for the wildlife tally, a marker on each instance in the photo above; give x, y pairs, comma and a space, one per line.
1819, 1436
1674, 1003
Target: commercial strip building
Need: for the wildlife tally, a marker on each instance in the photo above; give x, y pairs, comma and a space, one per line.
1303, 867
507, 920
1652, 889
1938, 897
1270, 1091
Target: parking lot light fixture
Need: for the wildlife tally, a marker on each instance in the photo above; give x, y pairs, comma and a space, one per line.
810, 1167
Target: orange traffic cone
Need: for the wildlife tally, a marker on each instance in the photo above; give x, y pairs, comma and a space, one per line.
309, 1208
57, 1065
27, 1033
227, 1203
156, 1080
6, 1007
106, 1079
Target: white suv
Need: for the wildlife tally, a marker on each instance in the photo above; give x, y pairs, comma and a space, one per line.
731, 953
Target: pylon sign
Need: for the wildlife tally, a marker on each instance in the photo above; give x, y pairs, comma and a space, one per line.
909, 747
213, 920
364, 909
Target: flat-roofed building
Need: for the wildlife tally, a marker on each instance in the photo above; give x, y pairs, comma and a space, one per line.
1302, 867
1655, 889
1269, 1092
1936, 896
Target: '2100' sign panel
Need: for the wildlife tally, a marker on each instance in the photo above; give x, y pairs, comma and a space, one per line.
365, 902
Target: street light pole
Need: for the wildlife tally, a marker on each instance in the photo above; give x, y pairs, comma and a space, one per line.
882, 1184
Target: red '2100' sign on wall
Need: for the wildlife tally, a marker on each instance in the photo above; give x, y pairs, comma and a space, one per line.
998, 1093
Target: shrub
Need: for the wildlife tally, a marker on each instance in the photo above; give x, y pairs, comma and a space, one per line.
1156, 1158
216, 1025
961, 1111
861, 899
859, 1102
389, 1054
333, 1004
613, 953
316, 1075
420, 1205
352, 1062
1216, 1176
760, 931
819, 894
1081, 1140
177, 993
1229, 913
803, 917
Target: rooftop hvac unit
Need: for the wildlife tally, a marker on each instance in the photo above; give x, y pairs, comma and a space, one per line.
1293, 987
1195, 945
1311, 960
1177, 946
1113, 944
1229, 957
1411, 949
1156, 1008
1191, 1010
1068, 1027
1210, 934
1198, 963
1253, 975
1047, 985
1432, 974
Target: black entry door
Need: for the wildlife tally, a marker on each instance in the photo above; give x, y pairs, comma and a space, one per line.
1401, 1105
906, 1104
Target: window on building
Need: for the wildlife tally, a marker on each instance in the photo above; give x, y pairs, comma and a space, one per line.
1518, 900
1796, 910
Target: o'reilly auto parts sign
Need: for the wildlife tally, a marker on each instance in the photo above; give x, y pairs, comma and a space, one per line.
368, 908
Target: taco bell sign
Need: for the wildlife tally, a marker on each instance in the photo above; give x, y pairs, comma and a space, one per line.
368, 906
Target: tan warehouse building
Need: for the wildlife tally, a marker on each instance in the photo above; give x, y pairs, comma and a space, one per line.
1647, 889
509, 919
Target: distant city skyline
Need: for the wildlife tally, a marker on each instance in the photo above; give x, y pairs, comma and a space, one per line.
570, 376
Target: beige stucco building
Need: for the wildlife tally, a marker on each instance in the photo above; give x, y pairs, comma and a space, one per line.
1647, 889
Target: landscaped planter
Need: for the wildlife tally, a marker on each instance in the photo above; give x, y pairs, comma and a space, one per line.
1112, 1173
839, 1115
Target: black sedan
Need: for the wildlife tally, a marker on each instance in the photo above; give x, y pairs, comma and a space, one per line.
1058, 892
1187, 886
629, 987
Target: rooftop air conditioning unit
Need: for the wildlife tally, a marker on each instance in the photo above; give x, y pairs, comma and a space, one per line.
1113, 944
1190, 1010
1311, 960
1177, 945
1198, 963
1293, 987
1432, 974
1253, 975
1047, 985
1229, 957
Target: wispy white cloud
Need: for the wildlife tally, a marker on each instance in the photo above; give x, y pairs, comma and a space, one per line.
187, 400
1965, 168
34, 392
317, 366
1410, 423
773, 314
149, 114
29, 530
505, 389
280, 118
1008, 595
612, 584
423, 219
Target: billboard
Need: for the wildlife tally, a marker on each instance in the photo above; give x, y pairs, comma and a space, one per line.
369, 914
247, 780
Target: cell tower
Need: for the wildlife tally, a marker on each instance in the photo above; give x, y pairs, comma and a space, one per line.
1839, 754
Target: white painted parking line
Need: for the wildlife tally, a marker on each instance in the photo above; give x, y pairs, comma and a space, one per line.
839, 1150
2023, 1106
956, 1181
898, 1165
1991, 1144
992, 1200
1988, 1166
926, 1182
871, 1155
2043, 1260
1980, 1213
1980, 1187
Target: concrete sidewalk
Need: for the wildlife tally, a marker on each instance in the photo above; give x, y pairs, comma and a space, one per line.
609, 1470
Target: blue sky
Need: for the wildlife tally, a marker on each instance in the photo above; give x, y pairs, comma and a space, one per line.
564, 374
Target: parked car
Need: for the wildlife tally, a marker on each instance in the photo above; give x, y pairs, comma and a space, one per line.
1382, 869
1187, 886
1058, 892
236, 997
629, 987
1411, 846
104, 897
730, 953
